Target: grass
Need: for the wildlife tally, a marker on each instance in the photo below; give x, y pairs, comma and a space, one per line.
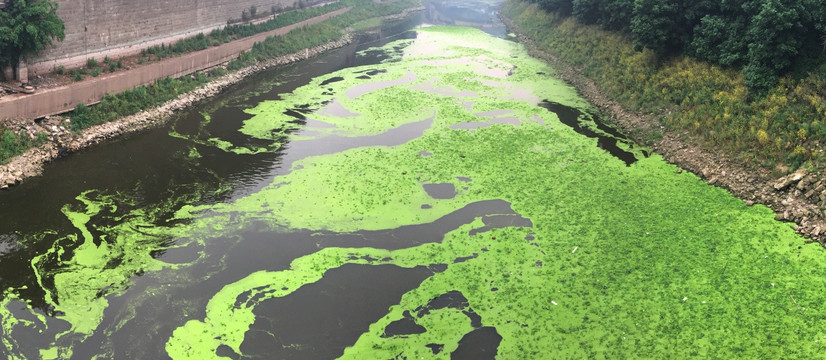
13, 144
129, 102
367, 24
787, 126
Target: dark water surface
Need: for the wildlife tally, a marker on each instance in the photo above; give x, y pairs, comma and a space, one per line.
153, 170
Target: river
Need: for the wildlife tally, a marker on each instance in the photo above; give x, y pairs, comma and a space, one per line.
429, 192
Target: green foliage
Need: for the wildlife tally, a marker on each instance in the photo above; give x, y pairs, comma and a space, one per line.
27, 27
12, 144
132, 101
80, 117
787, 125
60, 70
561, 7
764, 38
112, 65
75, 75
721, 40
656, 25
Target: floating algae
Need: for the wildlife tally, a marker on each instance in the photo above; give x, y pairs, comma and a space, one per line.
596, 259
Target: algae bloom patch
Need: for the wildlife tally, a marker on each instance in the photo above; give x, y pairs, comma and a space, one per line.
476, 199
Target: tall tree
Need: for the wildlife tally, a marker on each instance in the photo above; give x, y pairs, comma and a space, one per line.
779, 33
588, 11
27, 27
616, 15
657, 25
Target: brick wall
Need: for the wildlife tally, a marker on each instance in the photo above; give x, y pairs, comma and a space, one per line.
97, 28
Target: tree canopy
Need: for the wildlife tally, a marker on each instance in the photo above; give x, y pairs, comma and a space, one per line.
764, 38
27, 27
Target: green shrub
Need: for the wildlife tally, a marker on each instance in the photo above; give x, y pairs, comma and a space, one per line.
91, 63
80, 117
60, 70
132, 101
12, 145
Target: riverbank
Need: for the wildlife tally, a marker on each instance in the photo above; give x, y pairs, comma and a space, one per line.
31, 162
796, 198
57, 140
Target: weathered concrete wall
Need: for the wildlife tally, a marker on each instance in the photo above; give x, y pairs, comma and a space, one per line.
97, 28
65, 98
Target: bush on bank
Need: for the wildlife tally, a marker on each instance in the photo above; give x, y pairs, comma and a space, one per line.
131, 101
13, 144
785, 127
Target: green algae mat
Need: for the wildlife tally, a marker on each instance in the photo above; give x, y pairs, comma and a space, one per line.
454, 200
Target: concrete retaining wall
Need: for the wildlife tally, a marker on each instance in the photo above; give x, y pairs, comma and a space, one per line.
65, 98
98, 28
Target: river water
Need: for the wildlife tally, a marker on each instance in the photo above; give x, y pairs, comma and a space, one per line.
429, 192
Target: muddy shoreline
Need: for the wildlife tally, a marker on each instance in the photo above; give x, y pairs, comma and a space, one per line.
796, 198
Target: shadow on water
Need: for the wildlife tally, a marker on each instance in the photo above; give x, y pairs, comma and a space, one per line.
607, 137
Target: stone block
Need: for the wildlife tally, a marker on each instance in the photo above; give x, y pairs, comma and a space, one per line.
22, 72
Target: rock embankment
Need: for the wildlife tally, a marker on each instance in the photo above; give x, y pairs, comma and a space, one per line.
798, 197
60, 141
